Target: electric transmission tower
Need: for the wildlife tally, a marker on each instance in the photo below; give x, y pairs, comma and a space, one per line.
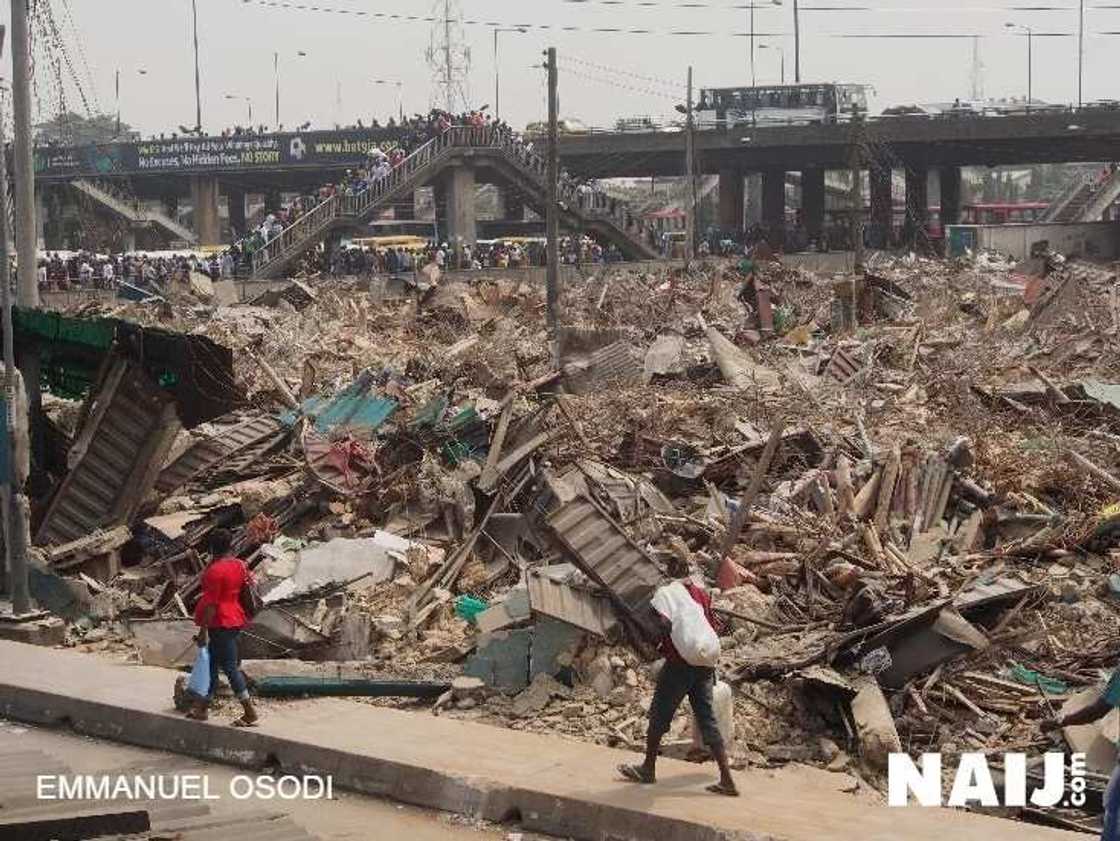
449, 57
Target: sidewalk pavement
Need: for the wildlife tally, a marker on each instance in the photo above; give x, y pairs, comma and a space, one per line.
549, 784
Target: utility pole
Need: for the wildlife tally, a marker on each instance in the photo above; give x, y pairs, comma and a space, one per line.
690, 172
197, 77
796, 43
753, 82
552, 214
856, 195
28, 295
13, 511
447, 74
1080, 50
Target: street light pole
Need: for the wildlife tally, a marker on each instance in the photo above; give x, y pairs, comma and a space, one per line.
1080, 50
796, 44
276, 73
400, 94
497, 71
1030, 59
781, 57
118, 94
197, 77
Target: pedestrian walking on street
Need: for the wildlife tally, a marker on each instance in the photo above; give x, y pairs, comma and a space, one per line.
220, 616
677, 680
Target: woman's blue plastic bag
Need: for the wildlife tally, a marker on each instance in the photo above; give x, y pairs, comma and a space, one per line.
199, 682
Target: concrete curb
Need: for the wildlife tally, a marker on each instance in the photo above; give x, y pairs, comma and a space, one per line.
473, 796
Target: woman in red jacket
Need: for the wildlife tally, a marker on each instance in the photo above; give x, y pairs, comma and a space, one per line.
220, 618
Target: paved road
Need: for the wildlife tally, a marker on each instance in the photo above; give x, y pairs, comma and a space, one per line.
349, 817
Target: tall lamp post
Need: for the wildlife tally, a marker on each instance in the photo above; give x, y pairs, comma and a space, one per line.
248, 102
497, 67
400, 94
1030, 59
751, 6
1080, 49
197, 78
796, 43
140, 72
276, 73
782, 56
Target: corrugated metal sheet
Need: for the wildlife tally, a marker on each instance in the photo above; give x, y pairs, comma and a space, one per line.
356, 408
241, 438
551, 595
615, 365
602, 550
130, 421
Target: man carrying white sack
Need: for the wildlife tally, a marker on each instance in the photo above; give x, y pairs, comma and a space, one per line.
690, 645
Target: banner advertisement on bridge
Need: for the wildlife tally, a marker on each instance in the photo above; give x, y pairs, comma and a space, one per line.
215, 154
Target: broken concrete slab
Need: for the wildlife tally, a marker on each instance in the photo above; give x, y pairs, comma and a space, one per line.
665, 356
501, 659
737, 367
342, 560
512, 609
164, 642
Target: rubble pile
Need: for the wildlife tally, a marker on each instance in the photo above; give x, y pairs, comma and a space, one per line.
901, 486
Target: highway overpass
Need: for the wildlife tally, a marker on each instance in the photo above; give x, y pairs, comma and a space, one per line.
207, 168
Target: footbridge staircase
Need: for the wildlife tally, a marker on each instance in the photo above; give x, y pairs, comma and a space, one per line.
581, 209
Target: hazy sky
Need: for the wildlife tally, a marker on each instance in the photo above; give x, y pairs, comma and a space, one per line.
602, 74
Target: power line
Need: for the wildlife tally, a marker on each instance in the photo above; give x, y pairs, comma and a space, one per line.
667, 82
615, 30
691, 4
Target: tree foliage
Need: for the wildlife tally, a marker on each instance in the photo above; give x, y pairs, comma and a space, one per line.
71, 129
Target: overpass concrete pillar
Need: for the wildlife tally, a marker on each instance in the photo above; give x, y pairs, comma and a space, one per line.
731, 195
204, 198
754, 199
774, 205
404, 208
513, 205
812, 201
235, 198
917, 204
950, 195
461, 219
882, 206
273, 201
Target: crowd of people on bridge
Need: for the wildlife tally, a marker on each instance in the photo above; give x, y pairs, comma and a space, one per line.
414, 133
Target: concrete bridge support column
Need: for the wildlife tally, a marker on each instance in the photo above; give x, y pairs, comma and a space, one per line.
404, 208
204, 198
812, 201
774, 205
754, 199
917, 204
950, 195
461, 220
235, 197
732, 193
513, 206
882, 206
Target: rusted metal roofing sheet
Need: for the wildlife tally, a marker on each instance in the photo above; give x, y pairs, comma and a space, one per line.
242, 438
551, 594
357, 409
130, 425
616, 364
602, 550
